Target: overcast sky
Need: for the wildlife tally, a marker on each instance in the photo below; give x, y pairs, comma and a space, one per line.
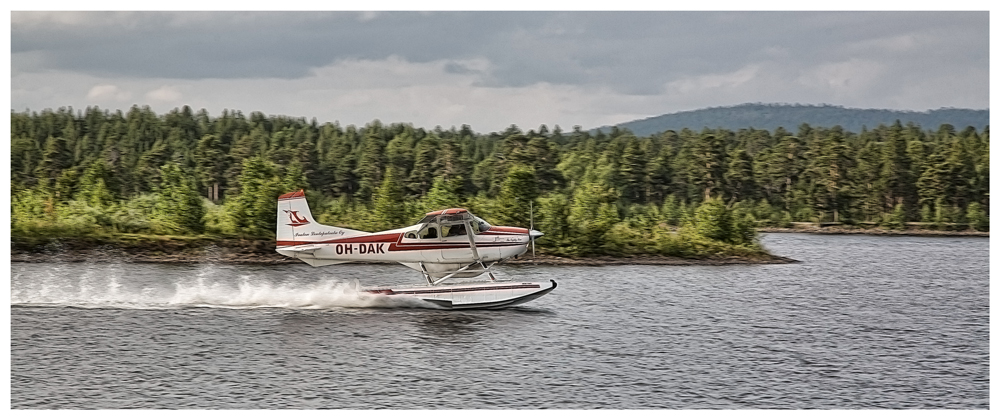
493, 69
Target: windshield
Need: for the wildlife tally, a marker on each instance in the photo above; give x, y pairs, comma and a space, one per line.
446, 218
483, 226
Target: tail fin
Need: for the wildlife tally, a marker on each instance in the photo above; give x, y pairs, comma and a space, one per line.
296, 225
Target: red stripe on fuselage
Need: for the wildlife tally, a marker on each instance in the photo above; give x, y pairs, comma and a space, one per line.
395, 242
505, 229
431, 247
384, 238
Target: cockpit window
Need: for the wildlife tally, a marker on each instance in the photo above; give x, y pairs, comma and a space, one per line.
452, 224
429, 233
456, 230
446, 218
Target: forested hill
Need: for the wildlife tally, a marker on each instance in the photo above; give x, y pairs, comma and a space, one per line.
679, 193
772, 116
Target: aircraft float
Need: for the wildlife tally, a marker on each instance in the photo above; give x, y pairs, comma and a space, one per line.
444, 245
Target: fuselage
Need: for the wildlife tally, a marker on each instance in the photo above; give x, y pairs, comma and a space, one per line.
406, 245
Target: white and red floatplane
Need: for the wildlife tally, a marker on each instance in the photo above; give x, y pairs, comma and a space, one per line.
444, 245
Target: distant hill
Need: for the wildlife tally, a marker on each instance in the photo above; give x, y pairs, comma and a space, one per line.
772, 116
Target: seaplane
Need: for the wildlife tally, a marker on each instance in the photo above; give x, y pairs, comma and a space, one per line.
443, 246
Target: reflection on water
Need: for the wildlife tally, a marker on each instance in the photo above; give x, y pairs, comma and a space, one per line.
861, 322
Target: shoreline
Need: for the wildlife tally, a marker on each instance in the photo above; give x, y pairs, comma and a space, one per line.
173, 250
167, 250
242, 258
837, 230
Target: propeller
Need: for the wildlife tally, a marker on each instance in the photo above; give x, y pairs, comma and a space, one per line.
531, 229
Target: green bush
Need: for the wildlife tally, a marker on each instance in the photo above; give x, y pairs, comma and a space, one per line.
895, 220
977, 217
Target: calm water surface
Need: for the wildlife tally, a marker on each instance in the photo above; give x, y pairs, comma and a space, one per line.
861, 322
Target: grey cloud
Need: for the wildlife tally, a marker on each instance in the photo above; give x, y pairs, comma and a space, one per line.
264, 44
458, 68
633, 53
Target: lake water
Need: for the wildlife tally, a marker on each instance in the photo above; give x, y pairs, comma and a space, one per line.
863, 322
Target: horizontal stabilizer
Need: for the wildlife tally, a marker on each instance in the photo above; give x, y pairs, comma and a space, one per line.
301, 249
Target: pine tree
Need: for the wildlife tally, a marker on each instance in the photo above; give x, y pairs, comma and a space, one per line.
632, 172
343, 158
252, 212
591, 216
672, 211
895, 182
212, 164
444, 194
179, 207
147, 169
828, 169
714, 221
897, 219
422, 174
389, 211
977, 217
959, 173
295, 178
24, 156
926, 215
517, 196
371, 164
739, 176
552, 218
449, 162
399, 153
660, 173
865, 174
55, 159
707, 167
943, 215
545, 162
93, 188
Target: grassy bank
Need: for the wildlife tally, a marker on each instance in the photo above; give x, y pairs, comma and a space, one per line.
143, 248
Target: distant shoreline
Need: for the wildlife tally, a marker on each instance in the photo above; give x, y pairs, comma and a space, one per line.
838, 230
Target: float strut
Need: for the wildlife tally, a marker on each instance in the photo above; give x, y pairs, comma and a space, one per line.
423, 270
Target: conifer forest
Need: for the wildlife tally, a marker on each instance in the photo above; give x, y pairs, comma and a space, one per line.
689, 193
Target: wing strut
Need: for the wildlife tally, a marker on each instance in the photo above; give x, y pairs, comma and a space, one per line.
475, 252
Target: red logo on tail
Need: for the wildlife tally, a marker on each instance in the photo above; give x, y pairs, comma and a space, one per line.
293, 216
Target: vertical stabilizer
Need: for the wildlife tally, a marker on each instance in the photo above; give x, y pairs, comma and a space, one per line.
296, 225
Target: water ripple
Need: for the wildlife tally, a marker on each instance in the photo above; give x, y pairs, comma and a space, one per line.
861, 323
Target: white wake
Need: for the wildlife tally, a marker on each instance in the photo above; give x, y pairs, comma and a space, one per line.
121, 286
